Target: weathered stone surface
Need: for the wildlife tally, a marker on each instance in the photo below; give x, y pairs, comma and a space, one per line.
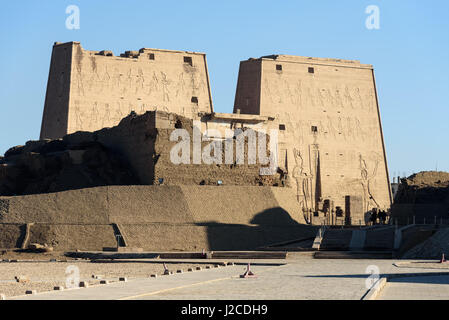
330, 139
167, 82
136, 151
56, 166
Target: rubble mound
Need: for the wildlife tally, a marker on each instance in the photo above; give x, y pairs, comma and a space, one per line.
429, 178
57, 165
424, 187
431, 248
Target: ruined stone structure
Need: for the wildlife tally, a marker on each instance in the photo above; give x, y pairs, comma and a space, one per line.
331, 149
135, 152
81, 191
422, 198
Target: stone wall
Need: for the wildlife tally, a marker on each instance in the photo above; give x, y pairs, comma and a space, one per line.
136, 151
330, 134
156, 218
56, 112
90, 90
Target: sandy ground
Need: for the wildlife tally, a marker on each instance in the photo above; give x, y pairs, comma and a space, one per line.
17, 255
44, 276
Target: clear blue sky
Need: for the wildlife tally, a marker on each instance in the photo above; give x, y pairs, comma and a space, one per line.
410, 54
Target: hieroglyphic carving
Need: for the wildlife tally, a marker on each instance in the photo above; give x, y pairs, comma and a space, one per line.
279, 90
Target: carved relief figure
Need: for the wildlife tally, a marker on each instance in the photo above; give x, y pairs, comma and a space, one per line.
348, 98
139, 81
107, 116
338, 98
78, 115
165, 87
302, 179
267, 90
180, 86
366, 177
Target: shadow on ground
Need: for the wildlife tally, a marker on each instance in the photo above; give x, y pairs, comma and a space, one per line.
267, 227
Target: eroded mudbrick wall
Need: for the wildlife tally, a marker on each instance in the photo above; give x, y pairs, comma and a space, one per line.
90, 90
330, 134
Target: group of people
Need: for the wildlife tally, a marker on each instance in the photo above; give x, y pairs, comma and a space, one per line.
378, 214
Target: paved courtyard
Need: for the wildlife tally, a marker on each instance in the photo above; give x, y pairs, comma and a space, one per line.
300, 278
416, 288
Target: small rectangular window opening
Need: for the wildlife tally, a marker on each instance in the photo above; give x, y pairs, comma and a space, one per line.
282, 127
194, 100
314, 129
151, 56
188, 60
311, 70
279, 67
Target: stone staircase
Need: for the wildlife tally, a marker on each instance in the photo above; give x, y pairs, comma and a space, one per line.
357, 243
336, 239
380, 238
